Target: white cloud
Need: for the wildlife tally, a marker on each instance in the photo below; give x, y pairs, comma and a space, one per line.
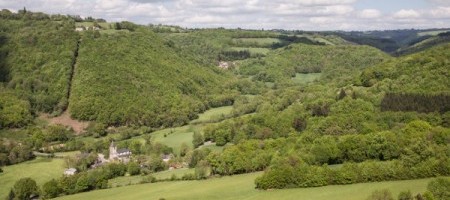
403, 14
369, 13
257, 14
441, 12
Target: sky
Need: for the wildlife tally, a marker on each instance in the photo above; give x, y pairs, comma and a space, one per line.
309, 15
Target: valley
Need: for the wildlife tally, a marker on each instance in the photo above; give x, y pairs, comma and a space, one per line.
165, 112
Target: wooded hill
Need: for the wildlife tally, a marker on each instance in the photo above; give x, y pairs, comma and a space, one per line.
35, 66
137, 78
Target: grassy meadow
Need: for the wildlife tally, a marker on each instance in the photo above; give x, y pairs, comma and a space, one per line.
213, 114
242, 187
133, 180
39, 169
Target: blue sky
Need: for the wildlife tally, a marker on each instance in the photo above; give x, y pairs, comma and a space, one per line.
257, 14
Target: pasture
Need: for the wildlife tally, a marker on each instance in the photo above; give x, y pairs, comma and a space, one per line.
39, 169
213, 114
242, 187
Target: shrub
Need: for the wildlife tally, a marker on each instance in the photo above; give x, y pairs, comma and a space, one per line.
25, 188
381, 195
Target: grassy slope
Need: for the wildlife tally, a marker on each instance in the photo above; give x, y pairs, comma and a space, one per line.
242, 187
132, 180
212, 114
40, 169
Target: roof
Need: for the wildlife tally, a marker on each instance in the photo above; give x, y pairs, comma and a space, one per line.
119, 151
71, 170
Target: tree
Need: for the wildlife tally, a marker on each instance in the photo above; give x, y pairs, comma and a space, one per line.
198, 139
342, 94
405, 195
440, 188
25, 188
51, 189
184, 149
133, 168
381, 195
202, 170
299, 124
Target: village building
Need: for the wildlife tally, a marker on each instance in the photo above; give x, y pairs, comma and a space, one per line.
79, 29
122, 155
70, 172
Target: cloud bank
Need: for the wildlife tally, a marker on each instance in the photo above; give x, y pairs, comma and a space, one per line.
252, 14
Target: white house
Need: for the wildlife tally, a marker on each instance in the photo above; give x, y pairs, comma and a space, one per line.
70, 171
79, 29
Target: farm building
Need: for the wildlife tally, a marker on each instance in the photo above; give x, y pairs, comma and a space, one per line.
70, 171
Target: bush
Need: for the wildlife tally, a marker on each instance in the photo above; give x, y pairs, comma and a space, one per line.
381, 195
25, 188
51, 189
405, 195
440, 188
133, 168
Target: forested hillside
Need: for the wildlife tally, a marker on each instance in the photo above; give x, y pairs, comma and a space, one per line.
36, 55
303, 109
136, 78
336, 62
336, 122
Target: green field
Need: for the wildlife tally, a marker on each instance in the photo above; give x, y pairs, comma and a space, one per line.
39, 169
305, 78
174, 137
213, 114
132, 180
242, 187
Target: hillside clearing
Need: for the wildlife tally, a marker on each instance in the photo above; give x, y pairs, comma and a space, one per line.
65, 120
39, 169
305, 78
242, 187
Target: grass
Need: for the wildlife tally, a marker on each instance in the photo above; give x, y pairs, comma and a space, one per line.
177, 172
39, 169
213, 114
14, 134
305, 78
124, 180
242, 187
174, 137
133, 180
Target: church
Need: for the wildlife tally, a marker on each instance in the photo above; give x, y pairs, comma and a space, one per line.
122, 155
